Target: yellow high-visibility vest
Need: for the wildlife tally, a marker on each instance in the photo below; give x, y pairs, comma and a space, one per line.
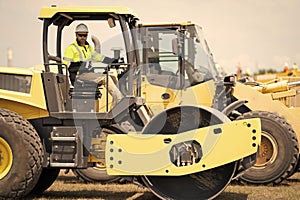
76, 53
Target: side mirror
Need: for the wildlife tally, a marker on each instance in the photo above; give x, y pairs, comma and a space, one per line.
111, 22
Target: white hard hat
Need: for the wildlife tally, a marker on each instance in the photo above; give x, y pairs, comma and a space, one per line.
81, 28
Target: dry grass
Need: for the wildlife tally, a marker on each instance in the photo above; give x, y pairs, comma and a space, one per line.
287, 190
68, 187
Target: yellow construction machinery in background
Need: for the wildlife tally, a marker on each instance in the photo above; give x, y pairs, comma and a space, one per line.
183, 152
287, 74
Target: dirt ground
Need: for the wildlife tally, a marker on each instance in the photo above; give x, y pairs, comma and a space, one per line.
69, 187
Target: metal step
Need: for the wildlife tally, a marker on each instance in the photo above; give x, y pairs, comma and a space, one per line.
67, 147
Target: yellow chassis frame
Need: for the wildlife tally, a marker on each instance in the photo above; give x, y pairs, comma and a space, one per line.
142, 154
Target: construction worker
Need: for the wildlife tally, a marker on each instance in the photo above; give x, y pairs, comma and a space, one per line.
78, 57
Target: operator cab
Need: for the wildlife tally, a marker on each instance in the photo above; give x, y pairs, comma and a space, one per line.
176, 55
113, 26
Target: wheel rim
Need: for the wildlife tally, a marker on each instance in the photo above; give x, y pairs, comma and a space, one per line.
268, 151
6, 158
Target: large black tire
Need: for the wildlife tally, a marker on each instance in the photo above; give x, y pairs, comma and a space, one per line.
46, 179
24, 153
297, 168
278, 155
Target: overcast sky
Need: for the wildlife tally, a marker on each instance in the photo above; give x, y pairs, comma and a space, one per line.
258, 34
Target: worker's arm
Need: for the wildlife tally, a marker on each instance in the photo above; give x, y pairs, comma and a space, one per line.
100, 57
68, 56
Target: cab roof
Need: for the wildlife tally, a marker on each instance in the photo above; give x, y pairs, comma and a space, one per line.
85, 12
168, 24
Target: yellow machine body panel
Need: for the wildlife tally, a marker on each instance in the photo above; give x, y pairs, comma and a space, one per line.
201, 94
22, 91
154, 95
142, 154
